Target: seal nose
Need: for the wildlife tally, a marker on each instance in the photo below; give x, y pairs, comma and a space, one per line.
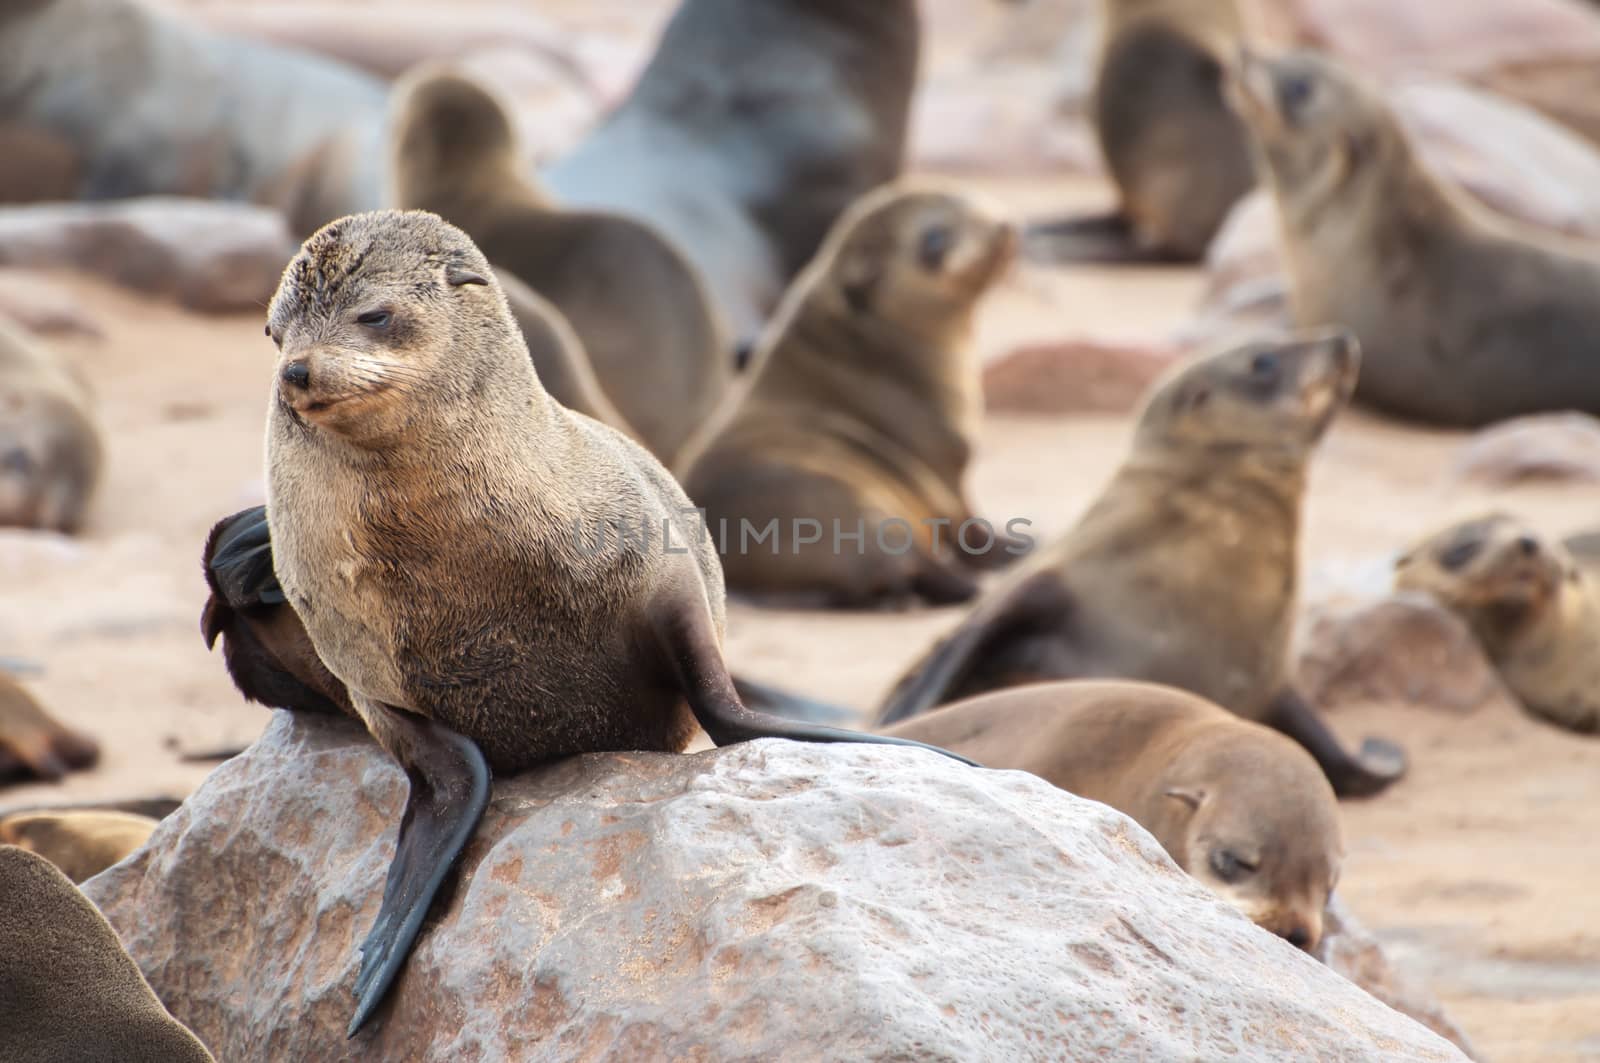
1298, 936
297, 374
1528, 545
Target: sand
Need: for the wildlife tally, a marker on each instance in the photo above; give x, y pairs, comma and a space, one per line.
1478, 871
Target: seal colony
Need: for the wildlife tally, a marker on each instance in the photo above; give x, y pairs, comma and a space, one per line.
1237, 805
864, 410
421, 488
1184, 570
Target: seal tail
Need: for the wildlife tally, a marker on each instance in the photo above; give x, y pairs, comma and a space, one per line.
1095, 239
789, 705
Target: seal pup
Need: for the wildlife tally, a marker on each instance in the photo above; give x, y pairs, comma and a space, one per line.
637, 305
1535, 610
50, 448
1465, 317
82, 843
863, 410
69, 991
422, 498
1178, 155
1184, 570
1237, 805
33, 745
752, 128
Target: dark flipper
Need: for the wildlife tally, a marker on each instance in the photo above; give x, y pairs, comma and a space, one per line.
683, 627
267, 651
790, 705
1379, 764
1037, 602
1101, 239
449, 791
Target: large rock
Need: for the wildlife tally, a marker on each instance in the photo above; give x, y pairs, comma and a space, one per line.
209, 256
767, 901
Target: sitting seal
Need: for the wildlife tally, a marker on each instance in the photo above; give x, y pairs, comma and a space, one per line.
50, 448
1184, 570
1237, 805
423, 493
1535, 610
863, 411
1465, 317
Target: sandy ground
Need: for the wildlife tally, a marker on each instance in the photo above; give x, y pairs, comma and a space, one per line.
1478, 871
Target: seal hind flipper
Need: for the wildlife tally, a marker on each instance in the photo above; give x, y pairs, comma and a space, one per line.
1379, 764
1036, 602
449, 791
684, 631
766, 698
268, 654
1100, 239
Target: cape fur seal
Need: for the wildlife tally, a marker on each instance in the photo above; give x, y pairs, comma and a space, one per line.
81, 842
1535, 610
421, 494
1465, 317
638, 306
863, 411
1184, 570
32, 744
750, 131
69, 991
1237, 805
50, 449
1179, 157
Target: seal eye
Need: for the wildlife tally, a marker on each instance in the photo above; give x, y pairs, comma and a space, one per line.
1229, 866
1457, 557
1264, 366
1294, 91
934, 245
374, 319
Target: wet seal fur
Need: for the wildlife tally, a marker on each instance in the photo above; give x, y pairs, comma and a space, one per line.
1237, 805
1533, 607
1184, 570
864, 408
639, 308
69, 991
51, 452
422, 494
1465, 317
1179, 157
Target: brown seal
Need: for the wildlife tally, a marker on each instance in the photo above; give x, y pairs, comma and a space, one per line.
32, 744
1535, 610
82, 843
50, 449
1465, 317
1180, 158
424, 503
752, 128
68, 989
846, 456
1184, 570
639, 308
1237, 805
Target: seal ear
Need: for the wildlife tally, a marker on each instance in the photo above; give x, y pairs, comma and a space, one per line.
456, 276
1192, 798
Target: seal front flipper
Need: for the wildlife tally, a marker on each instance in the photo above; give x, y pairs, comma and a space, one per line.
684, 631
266, 649
1037, 603
1380, 763
449, 791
